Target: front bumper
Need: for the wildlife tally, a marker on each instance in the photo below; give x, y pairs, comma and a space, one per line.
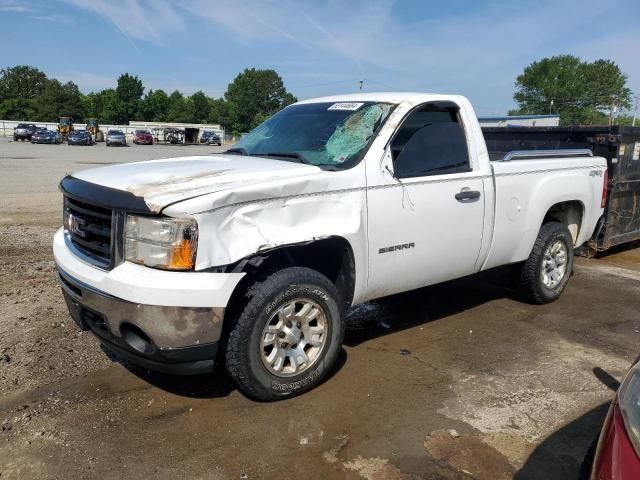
133, 331
161, 320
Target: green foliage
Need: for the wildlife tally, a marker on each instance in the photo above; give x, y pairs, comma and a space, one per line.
130, 90
155, 106
201, 107
21, 82
626, 120
58, 100
106, 106
27, 94
218, 111
253, 96
20, 88
181, 109
581, 92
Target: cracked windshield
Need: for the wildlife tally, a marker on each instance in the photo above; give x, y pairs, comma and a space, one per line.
323, 134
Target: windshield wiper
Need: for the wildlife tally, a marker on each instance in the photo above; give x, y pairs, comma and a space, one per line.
298, 156
237, 151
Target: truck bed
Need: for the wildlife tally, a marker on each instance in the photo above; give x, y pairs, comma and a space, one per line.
620, 145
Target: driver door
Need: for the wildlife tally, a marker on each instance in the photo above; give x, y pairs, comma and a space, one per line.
425, 206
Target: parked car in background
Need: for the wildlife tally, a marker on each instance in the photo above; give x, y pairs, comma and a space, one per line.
210, 138
46, 136
618, 452
80, 137
115, 137
142, 137
330, 203
24, 131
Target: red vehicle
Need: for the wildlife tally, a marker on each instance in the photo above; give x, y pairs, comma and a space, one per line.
142, 137
618, 453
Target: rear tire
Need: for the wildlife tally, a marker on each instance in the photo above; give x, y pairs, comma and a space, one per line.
547, 270
288, 335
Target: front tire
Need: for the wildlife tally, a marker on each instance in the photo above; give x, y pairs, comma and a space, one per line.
546, 272
287, 337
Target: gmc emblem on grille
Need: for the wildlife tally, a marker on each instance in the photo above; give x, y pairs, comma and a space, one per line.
74, 225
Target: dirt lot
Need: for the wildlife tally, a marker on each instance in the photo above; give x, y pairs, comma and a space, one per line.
457, 381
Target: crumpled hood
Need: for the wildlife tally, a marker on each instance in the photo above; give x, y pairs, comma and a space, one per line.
167, 181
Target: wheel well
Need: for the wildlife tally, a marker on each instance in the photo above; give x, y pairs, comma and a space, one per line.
569, 213
332, 257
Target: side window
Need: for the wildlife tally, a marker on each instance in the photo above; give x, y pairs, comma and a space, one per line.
431, 141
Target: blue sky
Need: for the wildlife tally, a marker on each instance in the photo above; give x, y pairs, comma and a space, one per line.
319, 47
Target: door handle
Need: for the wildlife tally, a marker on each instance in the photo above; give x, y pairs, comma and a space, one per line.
463, 195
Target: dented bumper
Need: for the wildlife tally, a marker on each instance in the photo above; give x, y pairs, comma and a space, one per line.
166, 321
143, 334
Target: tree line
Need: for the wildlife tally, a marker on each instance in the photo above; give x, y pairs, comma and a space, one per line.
583, 93
26, 93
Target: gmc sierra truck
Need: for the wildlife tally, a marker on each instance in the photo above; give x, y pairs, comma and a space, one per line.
251, 257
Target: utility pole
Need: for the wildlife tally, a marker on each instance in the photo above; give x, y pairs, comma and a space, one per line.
635, 113
361, 82
612, 109
550, 107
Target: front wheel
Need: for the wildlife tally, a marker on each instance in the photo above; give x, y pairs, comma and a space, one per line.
287, 337
547, 270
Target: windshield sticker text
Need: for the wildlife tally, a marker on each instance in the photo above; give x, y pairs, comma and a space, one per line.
351, 106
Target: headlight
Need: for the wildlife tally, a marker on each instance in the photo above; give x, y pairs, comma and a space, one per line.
168, 243
629, 401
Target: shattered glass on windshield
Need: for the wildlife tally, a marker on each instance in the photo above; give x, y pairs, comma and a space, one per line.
355, 132
322, 134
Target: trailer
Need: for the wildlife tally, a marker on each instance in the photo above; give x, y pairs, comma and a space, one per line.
620, 145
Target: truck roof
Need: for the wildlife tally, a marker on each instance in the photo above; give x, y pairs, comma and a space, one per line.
390, 97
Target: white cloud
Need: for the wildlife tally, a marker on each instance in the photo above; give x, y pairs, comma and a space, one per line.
14, 6
477, 52
171, 84
148, 20
86, 81
53, 17
94, 82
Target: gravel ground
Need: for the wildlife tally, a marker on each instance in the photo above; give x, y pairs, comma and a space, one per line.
458, 381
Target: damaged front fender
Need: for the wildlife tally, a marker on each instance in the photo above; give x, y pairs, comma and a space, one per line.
237, 224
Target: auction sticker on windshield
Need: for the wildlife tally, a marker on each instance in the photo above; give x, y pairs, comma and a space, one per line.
346, 106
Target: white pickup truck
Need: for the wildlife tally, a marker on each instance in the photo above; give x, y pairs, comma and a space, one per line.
251, 257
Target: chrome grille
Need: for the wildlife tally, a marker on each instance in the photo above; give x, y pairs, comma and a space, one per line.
89, 229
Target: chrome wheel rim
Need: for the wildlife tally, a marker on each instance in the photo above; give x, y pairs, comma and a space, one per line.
554, 264
294, 337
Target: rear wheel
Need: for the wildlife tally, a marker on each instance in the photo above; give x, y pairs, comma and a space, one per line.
288, 335
547, 270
